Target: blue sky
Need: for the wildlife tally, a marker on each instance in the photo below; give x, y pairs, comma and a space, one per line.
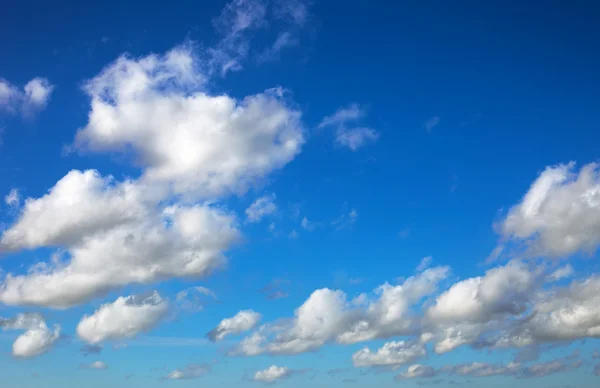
299, 193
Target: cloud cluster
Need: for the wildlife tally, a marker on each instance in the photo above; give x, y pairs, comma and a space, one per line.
328, 316
261, 208
194, 149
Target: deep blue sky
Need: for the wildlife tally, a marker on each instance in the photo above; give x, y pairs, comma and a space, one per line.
512, 86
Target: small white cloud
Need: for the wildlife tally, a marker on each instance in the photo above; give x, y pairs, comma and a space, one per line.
33, 98
272, 374
243, 321
293, 234
353, 137
13, 198
36, 340
193, 299
345, 220
425, 263
261, 208
95, 365
191, 371
417, 371
37, 93
431, 123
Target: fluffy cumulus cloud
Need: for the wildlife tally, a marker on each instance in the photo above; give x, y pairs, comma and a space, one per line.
461, 313
272, 374
327, 315
390, 354
113, 239
261, 208
37, 339
33, 98
201, 145
243, 321
124, 318
560, 214
353, 137
190, 371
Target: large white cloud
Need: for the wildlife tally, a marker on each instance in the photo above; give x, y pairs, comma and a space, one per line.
124, 318
560, 214
243, 321
170, 242
202, 145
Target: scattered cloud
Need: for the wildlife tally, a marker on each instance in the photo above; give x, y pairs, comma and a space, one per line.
350, 137
425, 263
431, 123
345, 220
189, 372
404, 233
194, 299
261, 208
95, 365
243, 321
33, 98
124, 318
293, 234
13, 198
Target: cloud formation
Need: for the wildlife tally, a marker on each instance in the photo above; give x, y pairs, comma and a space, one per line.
243, 321
272, 374
33, 98
124, 318
352, 137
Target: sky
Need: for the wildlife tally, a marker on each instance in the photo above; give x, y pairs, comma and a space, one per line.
299, 193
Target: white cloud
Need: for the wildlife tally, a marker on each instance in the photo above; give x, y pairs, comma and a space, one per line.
328, 316
37, 94
480, 369
417, 371
124, 318
96, 365
561, 273
13, 198
345, 220
191, 371
36, 340
342, 115
284, 39
112, 249
354, 137
261, 208
390, 354
202, 145
243, 321
10, 96
33, 98
560, 214
272, 374
307, 225
192, 300
431, 123
425, 263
